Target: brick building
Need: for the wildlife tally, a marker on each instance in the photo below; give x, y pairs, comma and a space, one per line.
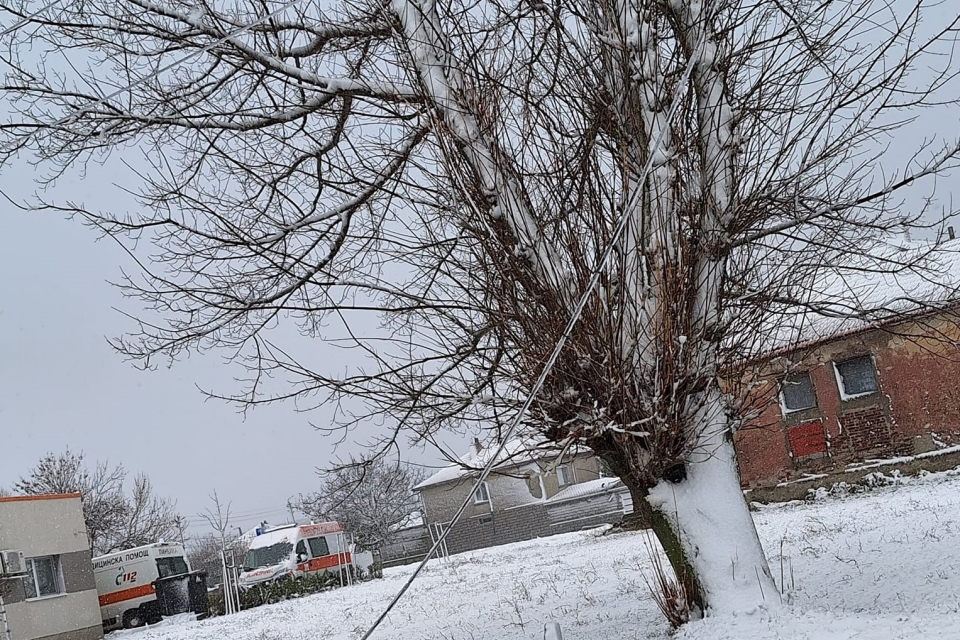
880, 391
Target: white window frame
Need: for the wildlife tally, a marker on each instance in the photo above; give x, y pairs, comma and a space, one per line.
482, 494
569, 477
31, 565
784, 410
844, 396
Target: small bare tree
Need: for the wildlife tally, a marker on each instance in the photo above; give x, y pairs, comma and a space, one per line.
205, 551
114, 520
218, 517
371, 499
458, 169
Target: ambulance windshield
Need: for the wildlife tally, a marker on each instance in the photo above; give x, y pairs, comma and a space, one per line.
267, 556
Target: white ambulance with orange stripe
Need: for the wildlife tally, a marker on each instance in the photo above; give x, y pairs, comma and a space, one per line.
296, 550
124, 582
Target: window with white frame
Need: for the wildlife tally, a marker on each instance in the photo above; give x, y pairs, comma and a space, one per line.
482, 495
796, 393
564, 475
856, 377
44, 577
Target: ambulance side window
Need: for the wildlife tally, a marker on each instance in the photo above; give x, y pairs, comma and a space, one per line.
167, 567
319, 547
301, 549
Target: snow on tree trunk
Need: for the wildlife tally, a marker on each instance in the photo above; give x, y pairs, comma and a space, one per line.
709, 515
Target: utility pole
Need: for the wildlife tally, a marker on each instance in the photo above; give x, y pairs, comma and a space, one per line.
290, 507
179, 522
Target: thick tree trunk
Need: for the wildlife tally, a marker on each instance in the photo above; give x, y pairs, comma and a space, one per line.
685, 573
703, 524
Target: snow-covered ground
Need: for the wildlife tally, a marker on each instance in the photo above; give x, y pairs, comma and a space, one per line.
876, 566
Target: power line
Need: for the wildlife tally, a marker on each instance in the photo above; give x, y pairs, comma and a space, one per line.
561, 342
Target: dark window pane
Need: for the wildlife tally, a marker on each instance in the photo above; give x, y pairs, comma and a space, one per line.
44, 578
318, 547
29, 584
857, 376
167, 567
798, 392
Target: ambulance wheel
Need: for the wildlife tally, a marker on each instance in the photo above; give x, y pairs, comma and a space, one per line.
133, 619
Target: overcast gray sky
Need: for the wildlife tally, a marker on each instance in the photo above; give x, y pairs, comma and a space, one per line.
64, 386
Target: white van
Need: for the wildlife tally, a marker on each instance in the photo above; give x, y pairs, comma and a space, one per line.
298, 550
127, 597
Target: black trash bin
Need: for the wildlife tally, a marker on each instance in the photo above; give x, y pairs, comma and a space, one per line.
185, 593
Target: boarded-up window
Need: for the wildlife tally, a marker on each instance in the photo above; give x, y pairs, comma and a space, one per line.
807, 439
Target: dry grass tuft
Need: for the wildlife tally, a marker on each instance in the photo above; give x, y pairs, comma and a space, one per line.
666, 591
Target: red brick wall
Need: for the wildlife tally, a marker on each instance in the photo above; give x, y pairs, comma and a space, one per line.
926, 385
919, 380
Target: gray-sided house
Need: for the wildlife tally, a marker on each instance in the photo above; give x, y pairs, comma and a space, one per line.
530, 493
46, 572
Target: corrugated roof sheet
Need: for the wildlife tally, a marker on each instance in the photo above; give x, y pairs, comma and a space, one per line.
583, 489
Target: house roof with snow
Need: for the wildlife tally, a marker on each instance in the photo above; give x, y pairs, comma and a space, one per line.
909, 280
515, 453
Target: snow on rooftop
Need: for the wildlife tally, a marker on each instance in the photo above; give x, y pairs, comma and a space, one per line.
910, 278
584, 489
275, 536
516, 452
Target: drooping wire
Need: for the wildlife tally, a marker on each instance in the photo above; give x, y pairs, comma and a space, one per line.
561, 342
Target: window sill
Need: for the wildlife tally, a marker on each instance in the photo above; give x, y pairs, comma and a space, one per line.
787, 412
52, 596
846, 398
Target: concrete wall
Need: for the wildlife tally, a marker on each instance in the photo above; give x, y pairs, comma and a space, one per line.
585, 468
918, 402
408, 545
51, 526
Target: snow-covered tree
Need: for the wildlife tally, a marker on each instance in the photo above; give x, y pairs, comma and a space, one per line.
371, 499
458, 168
115, 519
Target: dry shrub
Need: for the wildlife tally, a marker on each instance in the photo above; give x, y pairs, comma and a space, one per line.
666, 591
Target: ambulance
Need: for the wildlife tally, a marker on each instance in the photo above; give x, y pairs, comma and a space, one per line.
297, 550
124, 582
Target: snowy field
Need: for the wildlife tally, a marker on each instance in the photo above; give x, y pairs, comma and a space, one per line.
876, 566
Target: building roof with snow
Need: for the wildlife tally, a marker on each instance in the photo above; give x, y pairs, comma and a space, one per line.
908, 281
588, 488
515, 452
